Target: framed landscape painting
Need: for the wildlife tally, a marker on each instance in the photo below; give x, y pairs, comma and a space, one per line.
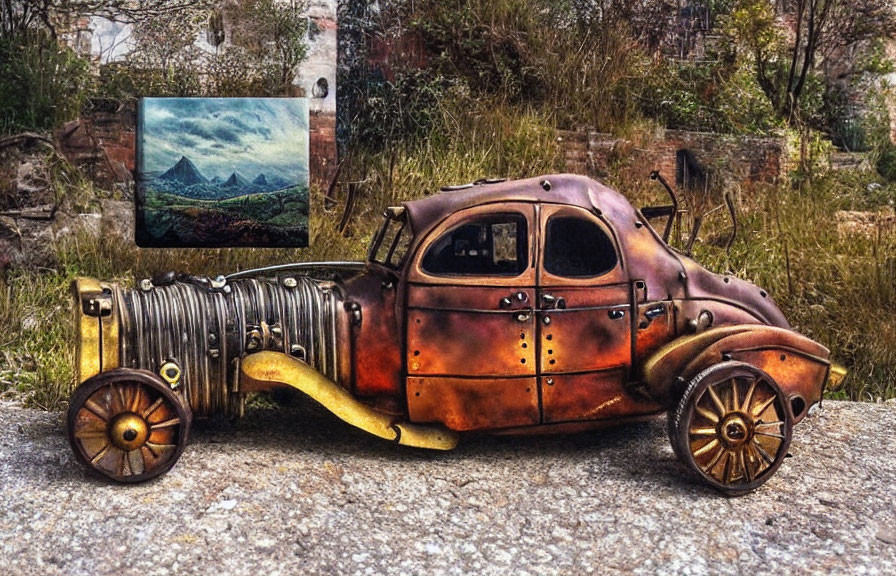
222, 172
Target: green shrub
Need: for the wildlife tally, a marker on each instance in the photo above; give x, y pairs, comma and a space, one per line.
44, 83
886, 163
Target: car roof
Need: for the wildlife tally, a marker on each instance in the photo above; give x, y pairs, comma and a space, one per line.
569, 189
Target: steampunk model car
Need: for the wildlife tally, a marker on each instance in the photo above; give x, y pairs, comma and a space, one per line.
540, 305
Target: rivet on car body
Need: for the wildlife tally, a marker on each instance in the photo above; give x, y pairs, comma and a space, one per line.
546, 184
547, 320
638, 224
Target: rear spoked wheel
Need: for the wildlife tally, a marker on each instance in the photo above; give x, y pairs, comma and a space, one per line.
127, 425
732, 427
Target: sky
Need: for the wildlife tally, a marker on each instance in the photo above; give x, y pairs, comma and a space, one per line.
221, 135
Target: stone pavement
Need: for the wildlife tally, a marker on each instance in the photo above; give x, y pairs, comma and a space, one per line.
295, 491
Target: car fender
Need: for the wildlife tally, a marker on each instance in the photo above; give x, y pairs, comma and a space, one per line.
798, 364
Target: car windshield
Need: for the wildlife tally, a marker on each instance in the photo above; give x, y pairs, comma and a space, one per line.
390, 245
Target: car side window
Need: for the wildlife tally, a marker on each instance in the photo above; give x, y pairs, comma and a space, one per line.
493, 245
578, 248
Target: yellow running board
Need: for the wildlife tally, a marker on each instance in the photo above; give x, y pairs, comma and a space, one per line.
267, 369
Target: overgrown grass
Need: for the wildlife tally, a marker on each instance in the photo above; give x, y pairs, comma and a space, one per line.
837, 287
834, 284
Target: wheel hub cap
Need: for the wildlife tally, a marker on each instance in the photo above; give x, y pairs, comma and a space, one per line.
735, 430
128, 431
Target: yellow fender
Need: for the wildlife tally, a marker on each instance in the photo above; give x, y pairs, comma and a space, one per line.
268, 369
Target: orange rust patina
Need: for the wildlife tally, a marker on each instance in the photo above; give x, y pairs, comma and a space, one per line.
540, 305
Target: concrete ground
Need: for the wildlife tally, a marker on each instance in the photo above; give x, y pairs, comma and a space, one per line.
294, 491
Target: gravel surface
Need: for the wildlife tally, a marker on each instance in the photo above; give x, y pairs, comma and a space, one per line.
294, 491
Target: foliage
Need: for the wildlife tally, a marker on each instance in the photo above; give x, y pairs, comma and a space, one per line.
44, 84
579, 60
786, 57
273, 34
401, 110
715, 96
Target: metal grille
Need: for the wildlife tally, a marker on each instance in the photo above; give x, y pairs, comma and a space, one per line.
206, 326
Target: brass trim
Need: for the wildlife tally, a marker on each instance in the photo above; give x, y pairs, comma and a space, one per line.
174, 379
836, 375
88, 347
109, 326
267, 369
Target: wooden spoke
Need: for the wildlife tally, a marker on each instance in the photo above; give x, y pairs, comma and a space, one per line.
135, 400
703, 432
757, 410
706, 447
708, 414
135, 461
765, 455
728, 472
165, 424
749, 397
716, 400
743, 465
761, 424
153, 407
715, 460
99, 411
90, 434
99, 455
158, 449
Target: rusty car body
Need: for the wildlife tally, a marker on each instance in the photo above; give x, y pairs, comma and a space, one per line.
540, 305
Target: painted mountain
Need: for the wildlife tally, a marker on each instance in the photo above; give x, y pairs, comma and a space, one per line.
184, 172
260, 144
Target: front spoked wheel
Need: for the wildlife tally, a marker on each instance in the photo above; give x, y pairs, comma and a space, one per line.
732, 427
127, 425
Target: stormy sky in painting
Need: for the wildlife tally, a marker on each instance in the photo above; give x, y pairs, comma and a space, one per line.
222, 135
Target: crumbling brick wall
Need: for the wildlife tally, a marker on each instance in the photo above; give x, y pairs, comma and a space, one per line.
102, 143
722, 158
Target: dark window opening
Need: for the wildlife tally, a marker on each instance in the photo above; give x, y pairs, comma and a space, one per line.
491, 246
577, 248
321, 88
688, 173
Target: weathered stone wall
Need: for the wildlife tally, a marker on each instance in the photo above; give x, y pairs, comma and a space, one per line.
103, 144
720, 158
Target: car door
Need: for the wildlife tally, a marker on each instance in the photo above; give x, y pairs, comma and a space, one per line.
584, 318
471, 342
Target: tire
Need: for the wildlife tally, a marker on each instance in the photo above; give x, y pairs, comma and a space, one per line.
732, 427
127, 425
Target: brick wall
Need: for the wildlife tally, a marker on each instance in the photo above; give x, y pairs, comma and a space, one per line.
102, 143
723, 158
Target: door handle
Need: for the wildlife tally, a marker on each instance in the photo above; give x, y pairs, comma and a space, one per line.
507, 301
654, 311
549, 301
